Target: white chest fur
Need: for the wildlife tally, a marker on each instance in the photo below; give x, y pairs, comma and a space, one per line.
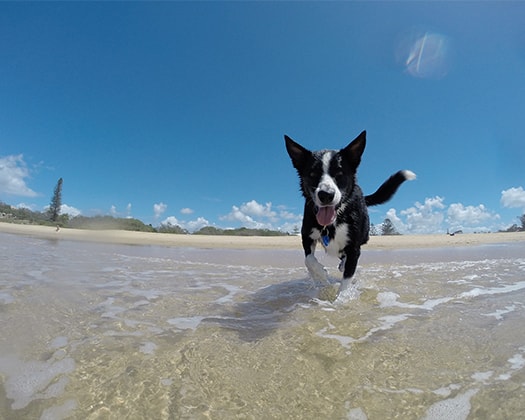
336, 245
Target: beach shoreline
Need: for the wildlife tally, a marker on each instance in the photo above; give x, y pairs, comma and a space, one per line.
252, 242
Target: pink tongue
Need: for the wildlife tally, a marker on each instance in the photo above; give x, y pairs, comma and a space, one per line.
326, 215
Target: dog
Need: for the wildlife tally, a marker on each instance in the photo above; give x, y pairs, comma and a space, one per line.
335, 209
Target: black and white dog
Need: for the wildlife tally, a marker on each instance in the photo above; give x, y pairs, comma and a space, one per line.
335, 210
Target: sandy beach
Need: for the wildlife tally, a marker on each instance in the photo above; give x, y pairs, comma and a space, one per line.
251, 242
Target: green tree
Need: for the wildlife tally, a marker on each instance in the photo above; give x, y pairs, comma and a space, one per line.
56, 202
388, 228
522, 220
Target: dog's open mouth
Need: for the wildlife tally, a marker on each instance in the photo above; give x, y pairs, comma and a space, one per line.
326, 215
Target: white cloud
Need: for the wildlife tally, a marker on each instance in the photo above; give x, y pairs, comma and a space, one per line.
470, 217
290, 227
194, 225
237, 215
72, 211
250, 215
396, 220
191, 226
253, 208
31, 207
13, 172
159, 209
171, 220
513, 198
113, 211
253, 215
433, 216
128, 211
422, 218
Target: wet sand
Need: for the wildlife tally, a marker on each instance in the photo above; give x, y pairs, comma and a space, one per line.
252, 242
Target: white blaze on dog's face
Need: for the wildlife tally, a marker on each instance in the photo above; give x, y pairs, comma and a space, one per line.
327, 195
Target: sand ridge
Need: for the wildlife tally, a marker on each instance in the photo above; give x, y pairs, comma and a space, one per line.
251, 242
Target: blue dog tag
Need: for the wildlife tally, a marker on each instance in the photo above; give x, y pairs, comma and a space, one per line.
325, 239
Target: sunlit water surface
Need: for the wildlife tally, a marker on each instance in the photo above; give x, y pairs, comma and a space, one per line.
91, 331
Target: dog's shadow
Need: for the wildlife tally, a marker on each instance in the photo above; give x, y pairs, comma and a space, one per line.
266, 309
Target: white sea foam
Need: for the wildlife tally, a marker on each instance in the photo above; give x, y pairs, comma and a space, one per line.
457, 408
478, 291
148, 347
232, 291
386, 323
389, 299
498, 314
446, 390
58, 342
30, 380
356, 414
517, 362
482, 377
186, 323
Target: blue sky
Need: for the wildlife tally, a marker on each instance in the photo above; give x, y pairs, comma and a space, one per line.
176, 111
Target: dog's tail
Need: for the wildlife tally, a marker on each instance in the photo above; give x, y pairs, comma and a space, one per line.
389, 188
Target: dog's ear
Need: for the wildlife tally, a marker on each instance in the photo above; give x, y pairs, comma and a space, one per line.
297, 153
354, 150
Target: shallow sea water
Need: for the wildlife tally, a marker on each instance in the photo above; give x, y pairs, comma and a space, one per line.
92, 331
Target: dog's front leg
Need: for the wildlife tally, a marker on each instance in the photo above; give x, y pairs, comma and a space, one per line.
315, 268
350, 265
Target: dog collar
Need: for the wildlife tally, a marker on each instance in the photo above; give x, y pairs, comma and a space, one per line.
325, 239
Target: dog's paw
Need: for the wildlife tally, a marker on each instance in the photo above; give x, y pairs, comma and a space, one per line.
328, 293
341, 266
316, 269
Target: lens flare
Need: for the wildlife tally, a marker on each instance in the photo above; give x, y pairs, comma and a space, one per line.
426, 55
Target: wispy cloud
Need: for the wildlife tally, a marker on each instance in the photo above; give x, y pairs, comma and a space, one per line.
159, 209
113, 211
13, 175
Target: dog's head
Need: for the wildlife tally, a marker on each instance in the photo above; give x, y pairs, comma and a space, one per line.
327, 176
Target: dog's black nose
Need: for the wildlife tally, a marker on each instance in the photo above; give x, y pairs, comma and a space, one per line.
325, 197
